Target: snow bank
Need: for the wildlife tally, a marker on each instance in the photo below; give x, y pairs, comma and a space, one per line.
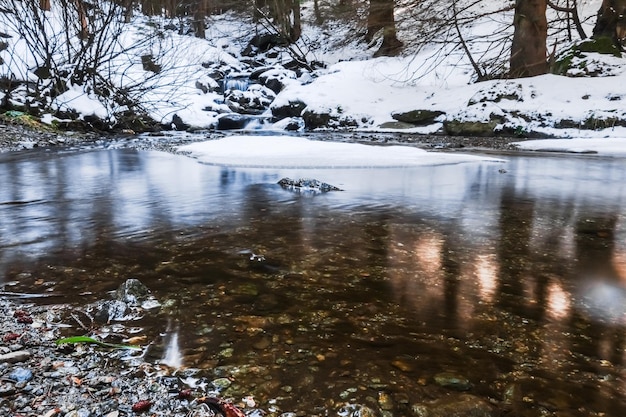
298, 152
605, 146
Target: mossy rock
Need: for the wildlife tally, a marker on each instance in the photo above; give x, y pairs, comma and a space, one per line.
25, 119
574, 59
602, 45
467, 128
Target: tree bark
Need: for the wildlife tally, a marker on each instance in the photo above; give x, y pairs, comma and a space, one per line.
45, 5
611, 21
528, 51
381, 16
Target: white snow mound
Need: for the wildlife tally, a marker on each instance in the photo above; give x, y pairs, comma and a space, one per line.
298, 152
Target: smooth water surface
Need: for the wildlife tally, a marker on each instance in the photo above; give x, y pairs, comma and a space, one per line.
510, 277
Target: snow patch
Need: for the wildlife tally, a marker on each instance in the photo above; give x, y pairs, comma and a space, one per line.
298, 152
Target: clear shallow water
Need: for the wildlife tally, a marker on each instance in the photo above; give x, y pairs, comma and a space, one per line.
513, 280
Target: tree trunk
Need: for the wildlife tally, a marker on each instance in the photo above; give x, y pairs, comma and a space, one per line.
317, 12
200, 12
82, 16
528, 51
611, 21
381, 16
45, 5
296, 27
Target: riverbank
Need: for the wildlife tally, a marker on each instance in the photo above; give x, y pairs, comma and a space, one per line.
16, 136
39, 378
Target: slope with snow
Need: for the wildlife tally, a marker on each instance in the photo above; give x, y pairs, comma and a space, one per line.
366, 92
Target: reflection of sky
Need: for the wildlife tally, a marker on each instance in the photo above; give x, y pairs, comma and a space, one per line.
132, 194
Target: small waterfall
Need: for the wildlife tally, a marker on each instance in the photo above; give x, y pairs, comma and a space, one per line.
240, 82
172, 356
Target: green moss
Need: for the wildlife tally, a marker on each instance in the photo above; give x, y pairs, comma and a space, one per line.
602, 45
565, 61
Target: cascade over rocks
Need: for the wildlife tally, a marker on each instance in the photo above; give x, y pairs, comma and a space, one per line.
255, 100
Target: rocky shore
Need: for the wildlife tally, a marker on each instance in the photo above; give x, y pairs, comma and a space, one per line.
15, 137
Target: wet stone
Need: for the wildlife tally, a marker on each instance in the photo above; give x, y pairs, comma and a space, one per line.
14, 357
221, 384
453, 381
385, 402
403, 364
21, 374
132, 292
307, 185
6, 390
463, 405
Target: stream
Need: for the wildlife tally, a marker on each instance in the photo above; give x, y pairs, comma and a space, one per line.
488, 283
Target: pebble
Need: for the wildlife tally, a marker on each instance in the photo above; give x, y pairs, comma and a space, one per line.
21, 374
14, 357
453, 381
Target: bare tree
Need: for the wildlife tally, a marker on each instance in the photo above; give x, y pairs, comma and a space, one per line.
528, 49
284, 15
76, 47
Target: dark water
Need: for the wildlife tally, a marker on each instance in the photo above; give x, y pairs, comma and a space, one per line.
514, 281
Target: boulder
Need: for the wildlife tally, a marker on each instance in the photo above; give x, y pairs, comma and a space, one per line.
291, 124
316, 119
418, 117
293, 108
233, 121
263, 42
307, 185
469, 128
277, 78
132, 292
178, 124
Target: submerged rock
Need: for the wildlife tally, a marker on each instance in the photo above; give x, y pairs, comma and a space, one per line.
464, 405
307, 185
453, 381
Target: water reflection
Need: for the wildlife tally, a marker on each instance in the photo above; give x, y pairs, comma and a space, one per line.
515, 280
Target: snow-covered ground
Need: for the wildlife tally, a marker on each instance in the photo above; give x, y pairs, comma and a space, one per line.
365, 91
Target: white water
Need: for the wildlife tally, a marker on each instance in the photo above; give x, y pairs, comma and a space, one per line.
172, 357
